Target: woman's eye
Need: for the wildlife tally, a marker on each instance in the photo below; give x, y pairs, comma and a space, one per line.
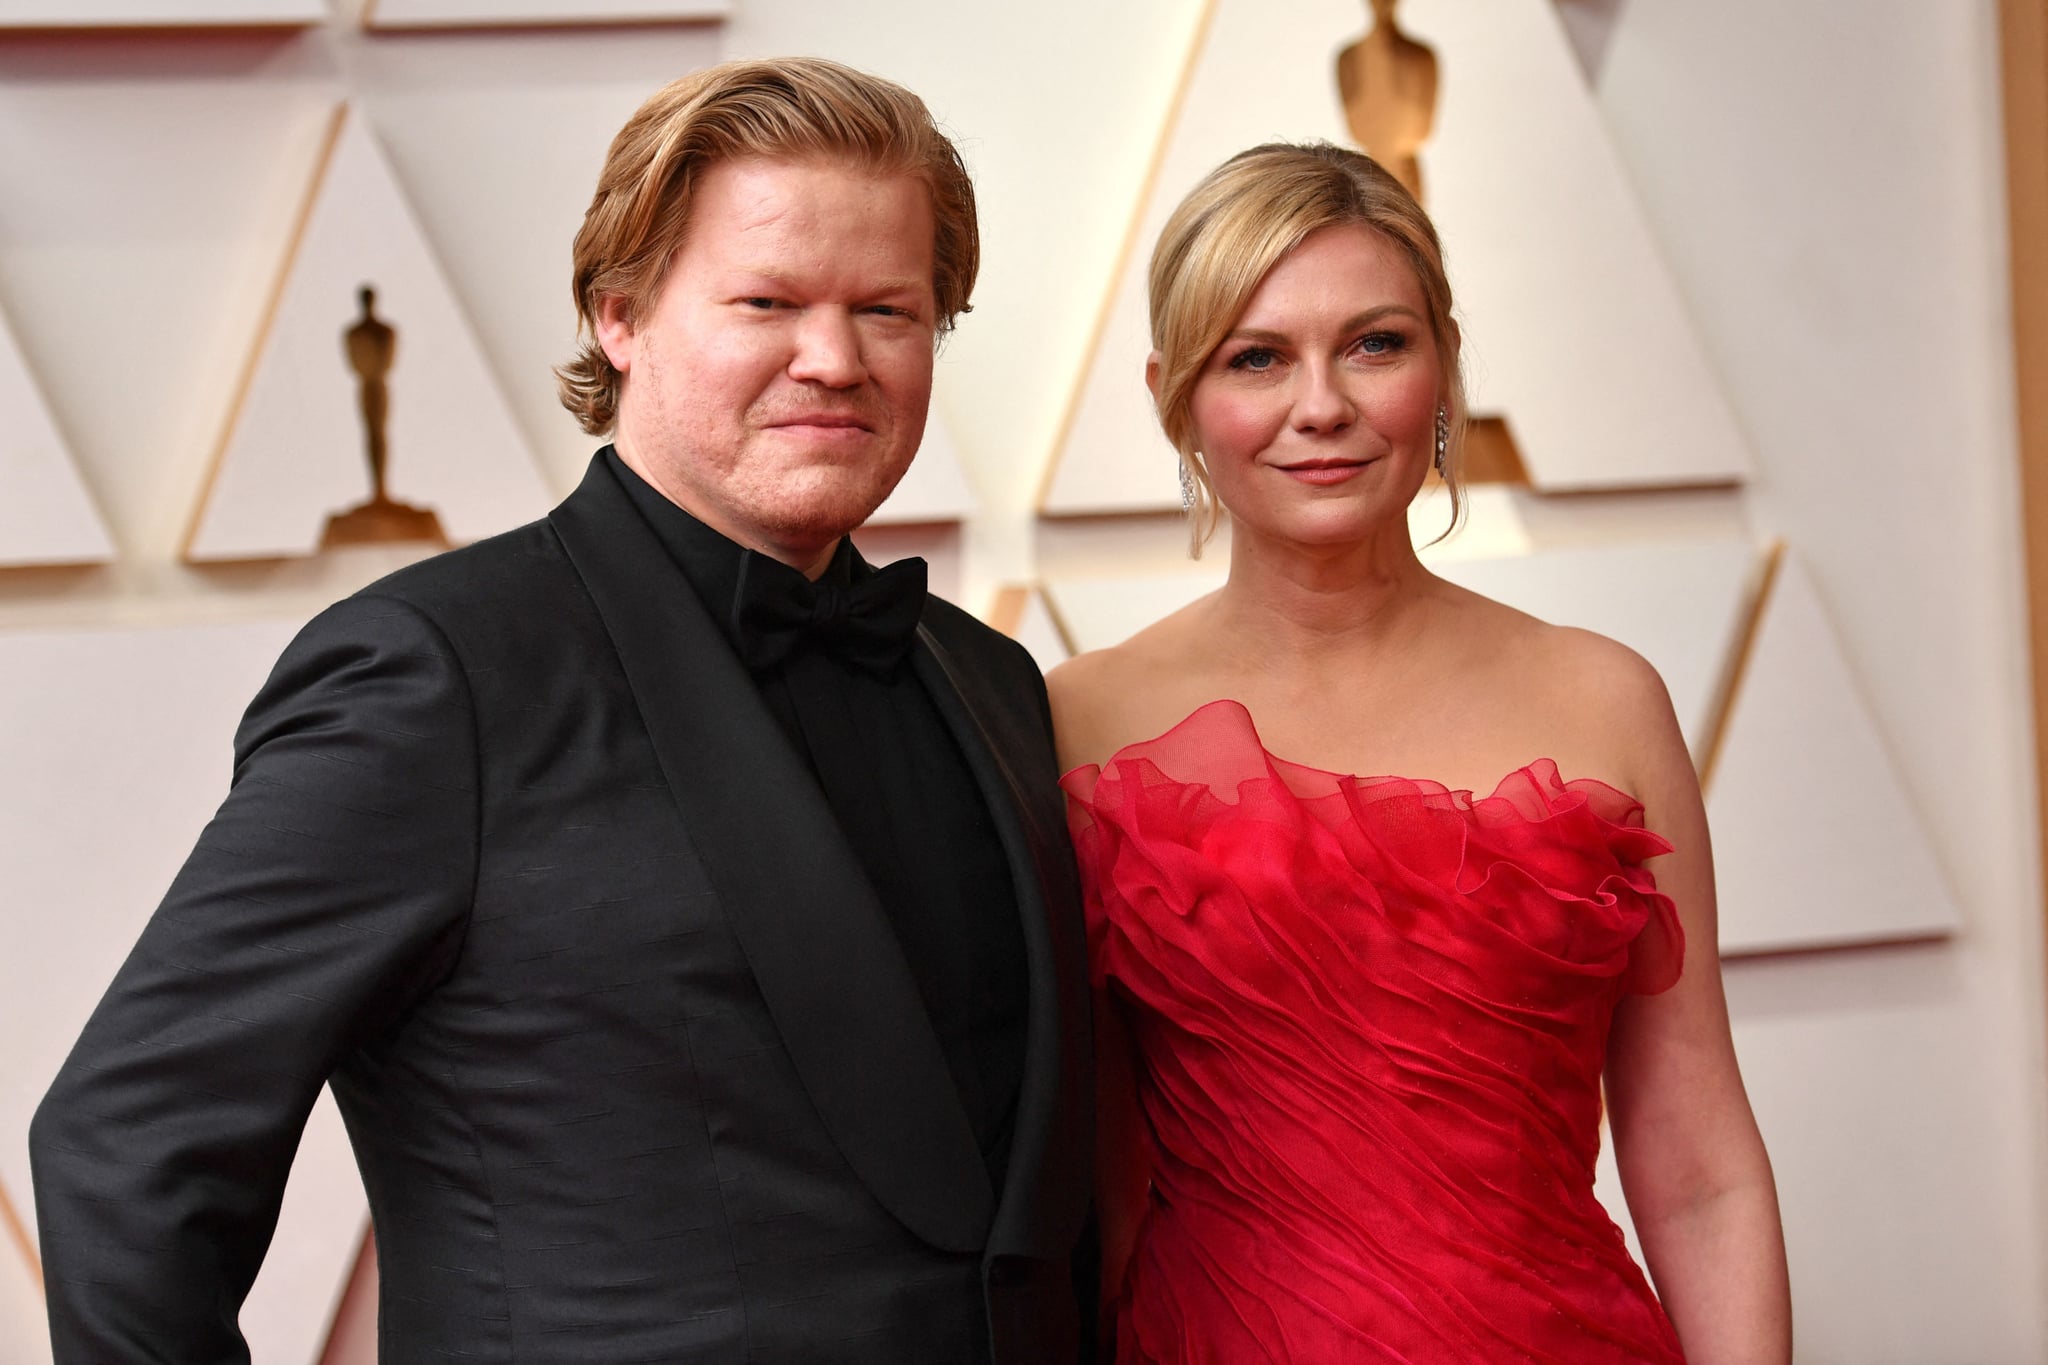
759, 302
1254, 358
1381, 343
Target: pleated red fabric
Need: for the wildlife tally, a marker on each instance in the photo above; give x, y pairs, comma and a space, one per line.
1371, 1014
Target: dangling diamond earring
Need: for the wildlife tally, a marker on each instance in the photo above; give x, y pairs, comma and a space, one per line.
1187, 488
1443, 442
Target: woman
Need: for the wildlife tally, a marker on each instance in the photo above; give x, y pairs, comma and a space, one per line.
1355, 1028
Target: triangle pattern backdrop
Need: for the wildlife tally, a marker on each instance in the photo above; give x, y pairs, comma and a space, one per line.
24, 1339
1021, 612
135, 726
481, 13
934, 489
1574, 330
1815, 839
157, 13
294, 449
46, 516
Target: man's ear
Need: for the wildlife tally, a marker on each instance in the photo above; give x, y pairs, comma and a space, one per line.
1152, 376
614, 329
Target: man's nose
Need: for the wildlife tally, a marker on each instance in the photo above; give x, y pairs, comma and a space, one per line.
828, 350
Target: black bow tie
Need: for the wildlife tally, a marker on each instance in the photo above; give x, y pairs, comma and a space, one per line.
868, 623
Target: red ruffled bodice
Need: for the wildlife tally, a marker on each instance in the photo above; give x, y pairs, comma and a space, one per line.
1372, 1015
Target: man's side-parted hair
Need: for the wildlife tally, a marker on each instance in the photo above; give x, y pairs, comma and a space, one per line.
1232, 229
786, 109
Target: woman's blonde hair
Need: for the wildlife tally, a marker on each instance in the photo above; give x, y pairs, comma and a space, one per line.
1231, 230
788, 109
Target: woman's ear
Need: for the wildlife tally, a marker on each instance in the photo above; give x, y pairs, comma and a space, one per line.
1152, 376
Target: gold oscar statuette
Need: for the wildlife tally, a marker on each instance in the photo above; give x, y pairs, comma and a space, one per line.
371, 345
1387, 83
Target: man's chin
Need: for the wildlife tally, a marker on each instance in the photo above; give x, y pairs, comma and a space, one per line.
813, 529
835, 505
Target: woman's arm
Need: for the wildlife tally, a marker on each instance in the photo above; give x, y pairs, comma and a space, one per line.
1692, 1162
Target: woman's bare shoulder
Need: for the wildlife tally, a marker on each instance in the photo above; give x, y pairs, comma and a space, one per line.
1611, 677
1616, 701
1107, 698
1565, 664
1591, 702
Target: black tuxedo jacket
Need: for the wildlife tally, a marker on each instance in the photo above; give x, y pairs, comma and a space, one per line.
517, 860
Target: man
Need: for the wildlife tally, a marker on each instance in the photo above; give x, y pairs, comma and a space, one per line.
678, 908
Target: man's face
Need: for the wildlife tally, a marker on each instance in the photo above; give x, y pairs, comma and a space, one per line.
777, 387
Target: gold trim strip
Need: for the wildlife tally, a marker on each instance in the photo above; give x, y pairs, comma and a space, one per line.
1738, 670
1123, 257
263, 329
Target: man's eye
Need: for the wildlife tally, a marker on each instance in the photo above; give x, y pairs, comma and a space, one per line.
759, 302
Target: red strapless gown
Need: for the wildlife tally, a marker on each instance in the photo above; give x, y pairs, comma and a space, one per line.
1372, 1014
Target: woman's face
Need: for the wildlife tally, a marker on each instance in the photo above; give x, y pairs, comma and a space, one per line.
1317, 414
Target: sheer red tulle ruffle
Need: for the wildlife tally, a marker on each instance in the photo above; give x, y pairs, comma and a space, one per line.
1372, 1014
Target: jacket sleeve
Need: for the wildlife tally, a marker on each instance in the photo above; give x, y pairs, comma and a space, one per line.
326, 897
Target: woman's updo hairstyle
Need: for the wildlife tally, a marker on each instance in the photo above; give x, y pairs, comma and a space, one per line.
1231, 230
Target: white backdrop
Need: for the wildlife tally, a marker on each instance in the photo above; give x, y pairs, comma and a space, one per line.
1828, 196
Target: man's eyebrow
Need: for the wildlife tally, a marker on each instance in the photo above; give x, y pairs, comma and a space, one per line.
770, 278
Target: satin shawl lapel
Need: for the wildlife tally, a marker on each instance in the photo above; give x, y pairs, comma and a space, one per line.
805, 914
1046, 1188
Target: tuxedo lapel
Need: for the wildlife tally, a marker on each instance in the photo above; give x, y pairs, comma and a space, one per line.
824, 954
1045, 1192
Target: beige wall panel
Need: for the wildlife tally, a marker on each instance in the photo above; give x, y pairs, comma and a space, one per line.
1827, 182
143, 212
1573, 329
1494, 523
157, 13
1102, 611
939, 544
400, 14
352, 1340
294, 453
1022, 613
936, 486
307, 1269
1815, 838
24, 1334
1865, 1071
1038, 631
46, 516
102, 798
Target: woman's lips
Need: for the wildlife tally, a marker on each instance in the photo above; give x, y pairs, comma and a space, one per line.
1322, 472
